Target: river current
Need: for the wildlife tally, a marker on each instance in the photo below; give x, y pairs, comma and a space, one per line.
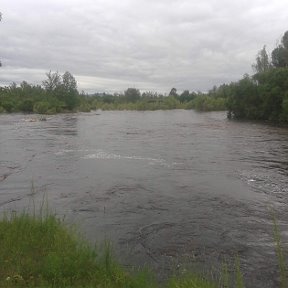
173, 190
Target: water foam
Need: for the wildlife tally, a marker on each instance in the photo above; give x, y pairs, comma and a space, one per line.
103, 155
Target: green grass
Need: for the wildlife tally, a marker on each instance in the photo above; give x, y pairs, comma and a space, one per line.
41, 251
280, 254
192, 281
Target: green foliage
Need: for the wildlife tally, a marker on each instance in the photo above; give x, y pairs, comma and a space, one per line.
207, 103
132, 95
53, 81
69, 91
153, 101
63, 88
239, 276
280, 254
264, 95
192, 281
173, 93
42, 252
58, 94
9, 105
41, 107
171, 102
84, 107
262, 61
284, 113
225, 276
261, 97
186, 96
279, 57
280, 53
26, 105
243, 101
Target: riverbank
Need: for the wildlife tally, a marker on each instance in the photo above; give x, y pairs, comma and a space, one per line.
41, 251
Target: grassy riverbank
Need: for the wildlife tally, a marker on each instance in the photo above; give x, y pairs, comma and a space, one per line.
44, 252
41, 251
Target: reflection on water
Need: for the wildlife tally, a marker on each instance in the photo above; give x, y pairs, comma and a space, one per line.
168, 187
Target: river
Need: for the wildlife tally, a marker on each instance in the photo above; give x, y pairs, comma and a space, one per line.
171, 189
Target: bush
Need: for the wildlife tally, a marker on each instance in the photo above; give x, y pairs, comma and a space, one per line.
26, 105
8, 105
41, 107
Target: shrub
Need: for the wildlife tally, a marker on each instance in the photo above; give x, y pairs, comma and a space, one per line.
41, 107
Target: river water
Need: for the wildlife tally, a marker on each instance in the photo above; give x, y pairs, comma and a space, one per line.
170, 189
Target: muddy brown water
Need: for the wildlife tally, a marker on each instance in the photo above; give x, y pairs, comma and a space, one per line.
173, 190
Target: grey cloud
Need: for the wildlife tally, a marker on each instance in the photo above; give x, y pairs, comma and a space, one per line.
153, 44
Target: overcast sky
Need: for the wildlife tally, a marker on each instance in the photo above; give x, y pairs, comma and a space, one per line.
110, 45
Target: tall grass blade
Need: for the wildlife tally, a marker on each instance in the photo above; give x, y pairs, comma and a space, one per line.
239, 276
280, 254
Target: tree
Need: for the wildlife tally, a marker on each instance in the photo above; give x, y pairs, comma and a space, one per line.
53, 82
69, 82
150, 95
173, 92
244, 101
63, 88
0, 21
284, 40
280, 53
69, 90
184, 97
279, 57
262, 61
132, 95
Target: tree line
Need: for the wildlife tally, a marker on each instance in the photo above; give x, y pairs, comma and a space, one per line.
59, 93
264, 95
133, 99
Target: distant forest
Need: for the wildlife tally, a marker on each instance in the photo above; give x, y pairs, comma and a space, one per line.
262, 96
59, 93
